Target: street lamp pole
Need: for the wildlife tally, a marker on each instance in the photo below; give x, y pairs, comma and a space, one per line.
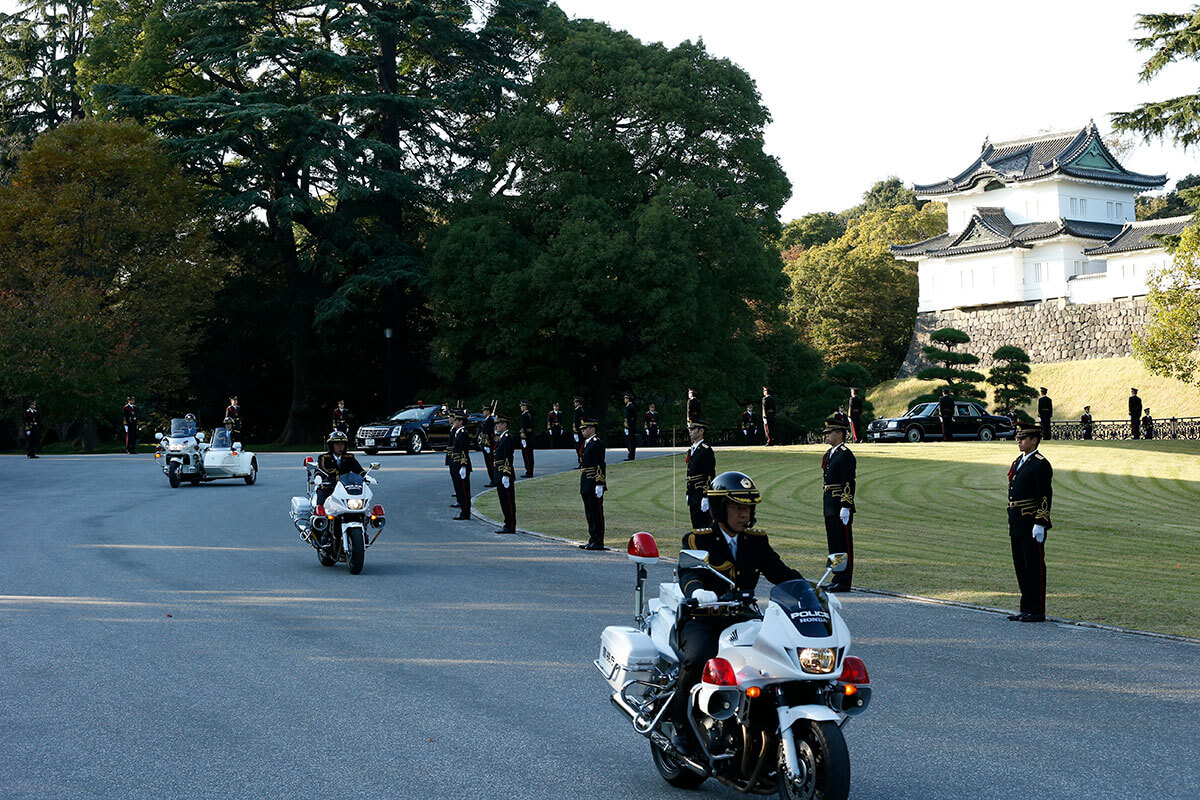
387, 335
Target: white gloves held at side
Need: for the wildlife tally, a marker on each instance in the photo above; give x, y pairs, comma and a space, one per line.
462, 473
523, 445
1039, 533
704, 596
599, 491
704, 504
504, 481
845, 515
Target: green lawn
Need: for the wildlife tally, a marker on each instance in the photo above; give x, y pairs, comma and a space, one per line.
1124, 550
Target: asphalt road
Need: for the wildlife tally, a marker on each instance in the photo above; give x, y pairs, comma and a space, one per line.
161, 643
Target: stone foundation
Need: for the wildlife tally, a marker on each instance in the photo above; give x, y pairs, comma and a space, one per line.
1048, 331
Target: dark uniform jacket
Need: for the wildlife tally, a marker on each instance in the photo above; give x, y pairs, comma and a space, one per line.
651, 419
840, 467
487, 433
841, 418
329, 465
459, 454
1029, 494
701, 469
130, 414
553, 420
747, 421
693, 409
340, 421
630, 417
577, 418
1085, 420
755, 557
235, 412
768, 406
505, 445
33, 419
527, 427
946, 407
593, 467
1135, 406
856, 405
1045, 407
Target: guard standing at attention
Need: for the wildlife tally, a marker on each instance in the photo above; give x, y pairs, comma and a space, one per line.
768, 415
33, 430
839, 468
506, 473
527, 439
749, 425
701, 469
131, 426
341, 418
1085, 420
842, 419
1045, 412
693, 407
592, 484
459, 460
651, 421
1135, 412
630, 427
1147, 425
487, 443
554, 427
946, 412
856, 412
1029, 499
577, 417
234, 412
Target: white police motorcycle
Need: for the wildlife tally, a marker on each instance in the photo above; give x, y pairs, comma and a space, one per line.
180, 453
339, 529
769, 710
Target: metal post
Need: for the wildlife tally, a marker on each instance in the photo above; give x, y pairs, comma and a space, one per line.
387, 335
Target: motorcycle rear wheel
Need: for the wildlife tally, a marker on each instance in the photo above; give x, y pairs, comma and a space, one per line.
672, 771
821, 750
358, 548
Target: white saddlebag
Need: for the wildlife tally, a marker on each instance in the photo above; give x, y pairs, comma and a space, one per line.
301, 508
626, 654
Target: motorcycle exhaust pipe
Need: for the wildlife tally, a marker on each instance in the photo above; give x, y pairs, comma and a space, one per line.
663, 743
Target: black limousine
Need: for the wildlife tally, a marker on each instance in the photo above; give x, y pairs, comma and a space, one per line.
924, 421
414, 429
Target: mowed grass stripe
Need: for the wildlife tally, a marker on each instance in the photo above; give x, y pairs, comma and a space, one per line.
1124, 549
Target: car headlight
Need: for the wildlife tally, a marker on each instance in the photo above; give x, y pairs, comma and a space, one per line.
356, 504
894, 423
816, 660
396, 431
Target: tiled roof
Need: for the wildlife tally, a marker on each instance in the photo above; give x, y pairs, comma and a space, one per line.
1080, 154
1145, 235
991, 229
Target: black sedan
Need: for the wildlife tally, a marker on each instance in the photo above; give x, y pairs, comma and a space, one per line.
924, 421
414, 429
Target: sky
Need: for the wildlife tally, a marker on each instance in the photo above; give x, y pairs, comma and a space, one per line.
859, 90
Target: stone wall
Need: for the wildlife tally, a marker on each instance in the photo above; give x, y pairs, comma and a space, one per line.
1048, 331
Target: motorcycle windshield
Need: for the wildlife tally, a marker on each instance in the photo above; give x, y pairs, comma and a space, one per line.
181, 428
800, 603
352, 482
222, 439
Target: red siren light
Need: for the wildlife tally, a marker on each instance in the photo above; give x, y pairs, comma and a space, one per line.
642, 548
854, 671
719, 672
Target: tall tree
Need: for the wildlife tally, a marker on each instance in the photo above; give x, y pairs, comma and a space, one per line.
345, 128
625, 235
952, 373
1009, 377
887, 193
106, 265
811, 230
1169, 37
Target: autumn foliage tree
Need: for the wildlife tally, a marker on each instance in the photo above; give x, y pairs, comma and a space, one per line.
105, 269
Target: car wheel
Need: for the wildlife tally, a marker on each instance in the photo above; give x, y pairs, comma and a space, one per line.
416, 442
914, 434
986, 434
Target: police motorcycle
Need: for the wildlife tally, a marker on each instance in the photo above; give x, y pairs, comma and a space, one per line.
180, 453
769, 710
339, 529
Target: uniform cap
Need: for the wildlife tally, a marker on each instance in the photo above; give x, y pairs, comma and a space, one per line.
459, 413
1029, 429
578, 399
589, 423
502, 417
698, 423
835, 425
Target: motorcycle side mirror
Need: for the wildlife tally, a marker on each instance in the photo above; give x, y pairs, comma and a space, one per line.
698, 559
836, 562
375, 465
200, 436
158, 437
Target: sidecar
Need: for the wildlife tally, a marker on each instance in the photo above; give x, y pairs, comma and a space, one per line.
225, 458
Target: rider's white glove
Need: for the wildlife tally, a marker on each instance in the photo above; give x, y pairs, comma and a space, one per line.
599, 491
704, 504
462, 473
845, 515
523, 445
704, 596
1039, 533
504, 481
127, 429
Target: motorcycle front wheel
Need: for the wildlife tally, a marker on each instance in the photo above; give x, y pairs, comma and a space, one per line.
824, 762
173, 476
672, 771
358, 548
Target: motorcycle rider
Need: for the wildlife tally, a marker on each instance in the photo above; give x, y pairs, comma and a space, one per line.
334, 462
741, 553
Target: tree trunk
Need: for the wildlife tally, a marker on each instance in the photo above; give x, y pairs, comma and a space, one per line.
298, 428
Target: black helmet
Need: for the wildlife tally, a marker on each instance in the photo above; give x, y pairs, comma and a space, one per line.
731, 487
190, 417
334, 437
228, 421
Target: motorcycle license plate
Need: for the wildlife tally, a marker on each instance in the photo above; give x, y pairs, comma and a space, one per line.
370, 442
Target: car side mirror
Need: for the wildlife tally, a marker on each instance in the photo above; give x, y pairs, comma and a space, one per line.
837, 562
200, 436
158, 437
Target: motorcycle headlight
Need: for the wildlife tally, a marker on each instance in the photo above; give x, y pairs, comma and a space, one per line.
356, 504
817, 660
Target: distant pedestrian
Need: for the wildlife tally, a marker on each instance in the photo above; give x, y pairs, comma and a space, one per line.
694, 410
1045, 413
1085, 421
631, 430
651, 423
526, 439
839, 470
506, 474
1135, 413
33, 430
340, 418
701, 469
592, 484
768, 416
946, 412
129, 414
856, 413
1029, 498
1147, 425
554, 427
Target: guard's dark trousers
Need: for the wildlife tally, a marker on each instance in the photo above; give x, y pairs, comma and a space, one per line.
462, 490
700, 519
527, 458
841, 540
1029, 560
593, 509
508, 503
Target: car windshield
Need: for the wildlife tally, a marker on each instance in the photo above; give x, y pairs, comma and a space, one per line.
222, 439
411, 414
182, 427
923, 410
800, 603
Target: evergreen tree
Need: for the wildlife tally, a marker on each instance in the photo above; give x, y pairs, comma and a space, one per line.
961, 382
1012, 390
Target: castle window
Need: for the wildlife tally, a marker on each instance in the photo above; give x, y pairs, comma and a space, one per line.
1120, 211
1082, 207
1108, 208
1037, 272
1074, 206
